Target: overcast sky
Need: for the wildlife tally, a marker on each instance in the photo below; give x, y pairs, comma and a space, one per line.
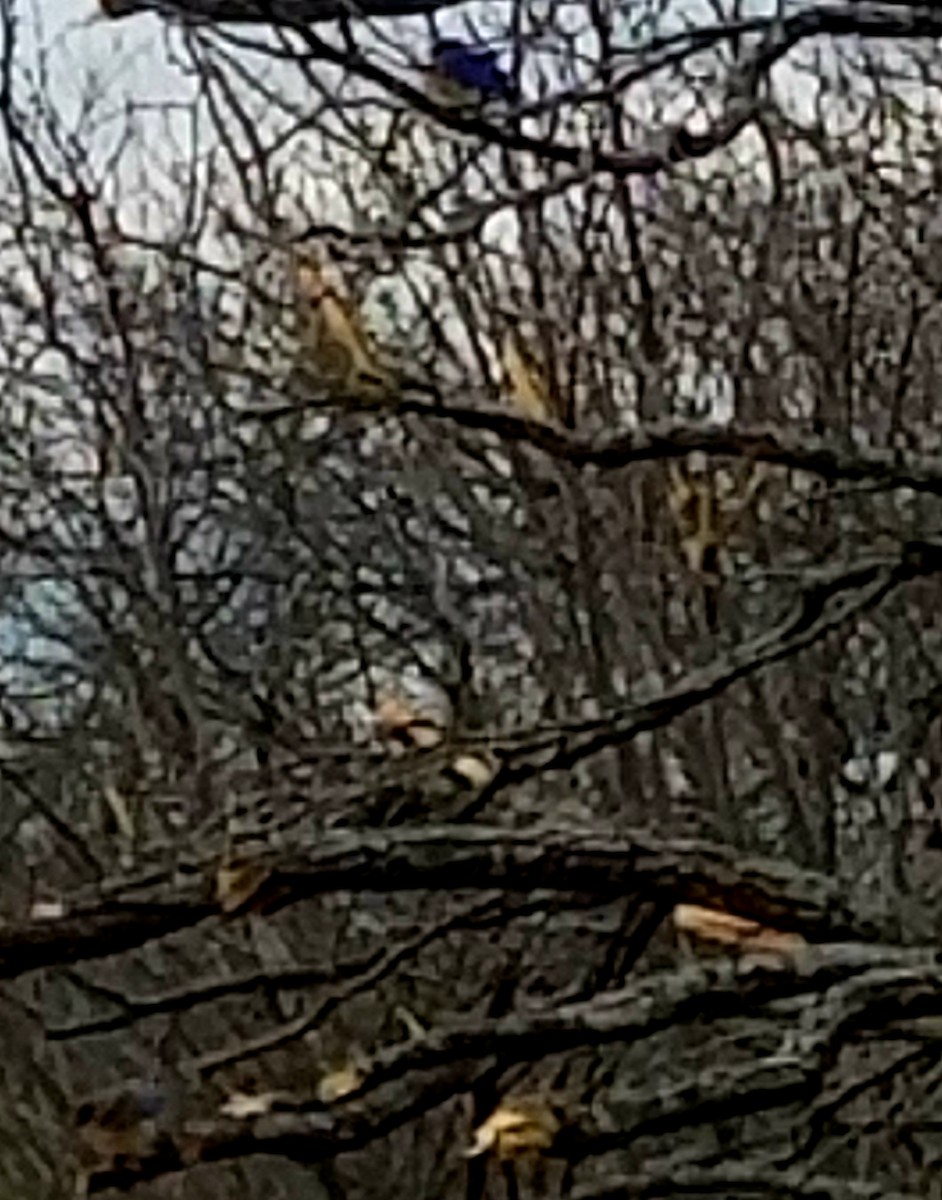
130, 51
130, 54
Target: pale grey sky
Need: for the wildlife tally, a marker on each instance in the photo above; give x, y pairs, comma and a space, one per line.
76, 39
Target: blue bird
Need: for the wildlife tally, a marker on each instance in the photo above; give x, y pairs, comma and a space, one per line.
474, 70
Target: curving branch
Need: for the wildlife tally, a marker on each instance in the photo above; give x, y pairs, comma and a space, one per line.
828, 603
794, 451
604, 864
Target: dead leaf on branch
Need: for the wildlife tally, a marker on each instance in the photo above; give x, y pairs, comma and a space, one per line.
243, 1105
473, 770
516, 1128
238, 882
339, 1083
396, 719
727, 929
332, 338
529, 386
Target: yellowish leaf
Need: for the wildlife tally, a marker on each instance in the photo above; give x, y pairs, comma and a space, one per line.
695, 508
337, 1084
242, 1105
477, 772
515, 1128
723, 928
333, 337
526, 379
398, 720
237, 882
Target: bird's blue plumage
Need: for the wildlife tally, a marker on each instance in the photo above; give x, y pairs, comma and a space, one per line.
473, 67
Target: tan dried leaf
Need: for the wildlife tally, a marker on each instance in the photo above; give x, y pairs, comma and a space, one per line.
333, 336
692, 500
728, 929
238, 882
397, 718
337, 1084
476, 771
242, 1105
528, 384
515, 1128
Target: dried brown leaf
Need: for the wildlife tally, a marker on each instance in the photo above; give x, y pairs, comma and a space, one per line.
728, 929
242, 1105
339, 1083
238, 882
515, 1128
528, 384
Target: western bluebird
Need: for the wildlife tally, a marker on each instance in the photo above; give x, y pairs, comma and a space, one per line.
474, 69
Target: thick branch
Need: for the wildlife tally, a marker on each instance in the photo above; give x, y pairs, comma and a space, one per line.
855, 987
460, 857
605, 864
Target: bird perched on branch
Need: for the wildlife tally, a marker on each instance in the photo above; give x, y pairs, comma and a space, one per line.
465, 74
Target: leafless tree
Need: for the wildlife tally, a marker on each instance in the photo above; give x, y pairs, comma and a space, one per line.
468, 672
